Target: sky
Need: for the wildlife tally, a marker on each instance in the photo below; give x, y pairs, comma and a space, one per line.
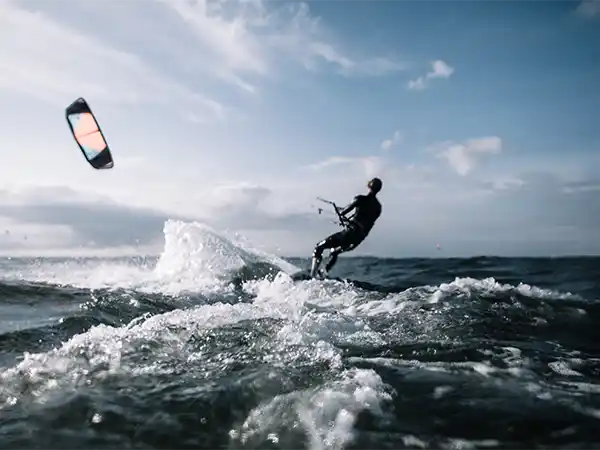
481, 118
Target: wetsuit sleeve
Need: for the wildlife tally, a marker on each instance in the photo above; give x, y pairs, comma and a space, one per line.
350, 207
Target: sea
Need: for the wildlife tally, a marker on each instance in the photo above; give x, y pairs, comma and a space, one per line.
213, 345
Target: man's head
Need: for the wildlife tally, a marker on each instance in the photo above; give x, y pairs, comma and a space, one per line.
375, 185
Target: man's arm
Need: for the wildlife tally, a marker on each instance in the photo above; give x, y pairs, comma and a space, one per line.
350, 207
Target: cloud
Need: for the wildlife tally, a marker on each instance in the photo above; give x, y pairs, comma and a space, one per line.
582, 186
422, 206
15, 235
246, 206
54, 53
224, 34
475, 215
469, 216
209, 58
51, 62
426, 205
463, 157
395, 139
440, 69
59, 217
368, 166
543, 200
332, 161
93, 221
588, 8
257, 35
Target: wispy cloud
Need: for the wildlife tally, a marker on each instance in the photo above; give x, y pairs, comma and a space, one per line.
248, 39
387, 144
463, 156
440, 69
47, 61
54, 63
332, 161
225, 38
370, 166
239, 43
588, 8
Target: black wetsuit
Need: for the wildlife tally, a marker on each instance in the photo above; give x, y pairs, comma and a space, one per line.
368, 210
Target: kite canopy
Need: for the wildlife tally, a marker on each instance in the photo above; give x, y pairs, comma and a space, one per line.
88, 135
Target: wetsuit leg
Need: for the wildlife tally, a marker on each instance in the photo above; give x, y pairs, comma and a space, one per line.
335, 240
352, 241
333, 259
344, 241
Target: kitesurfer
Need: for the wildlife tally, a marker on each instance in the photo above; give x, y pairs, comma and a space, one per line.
357, 227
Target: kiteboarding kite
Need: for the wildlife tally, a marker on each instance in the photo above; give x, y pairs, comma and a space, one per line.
88, 135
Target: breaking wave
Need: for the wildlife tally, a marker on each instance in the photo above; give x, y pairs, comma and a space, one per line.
213, 345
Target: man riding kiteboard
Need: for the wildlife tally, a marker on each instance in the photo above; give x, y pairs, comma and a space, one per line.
357, 228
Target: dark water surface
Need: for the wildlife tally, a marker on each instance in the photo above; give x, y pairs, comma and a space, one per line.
218, 350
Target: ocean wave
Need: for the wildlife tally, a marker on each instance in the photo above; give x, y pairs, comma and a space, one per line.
215, 345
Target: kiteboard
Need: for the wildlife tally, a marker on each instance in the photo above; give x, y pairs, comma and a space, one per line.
304, 275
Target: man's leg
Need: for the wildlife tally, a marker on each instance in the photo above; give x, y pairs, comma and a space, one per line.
349, 242
329, 242
333, 258
316, 261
